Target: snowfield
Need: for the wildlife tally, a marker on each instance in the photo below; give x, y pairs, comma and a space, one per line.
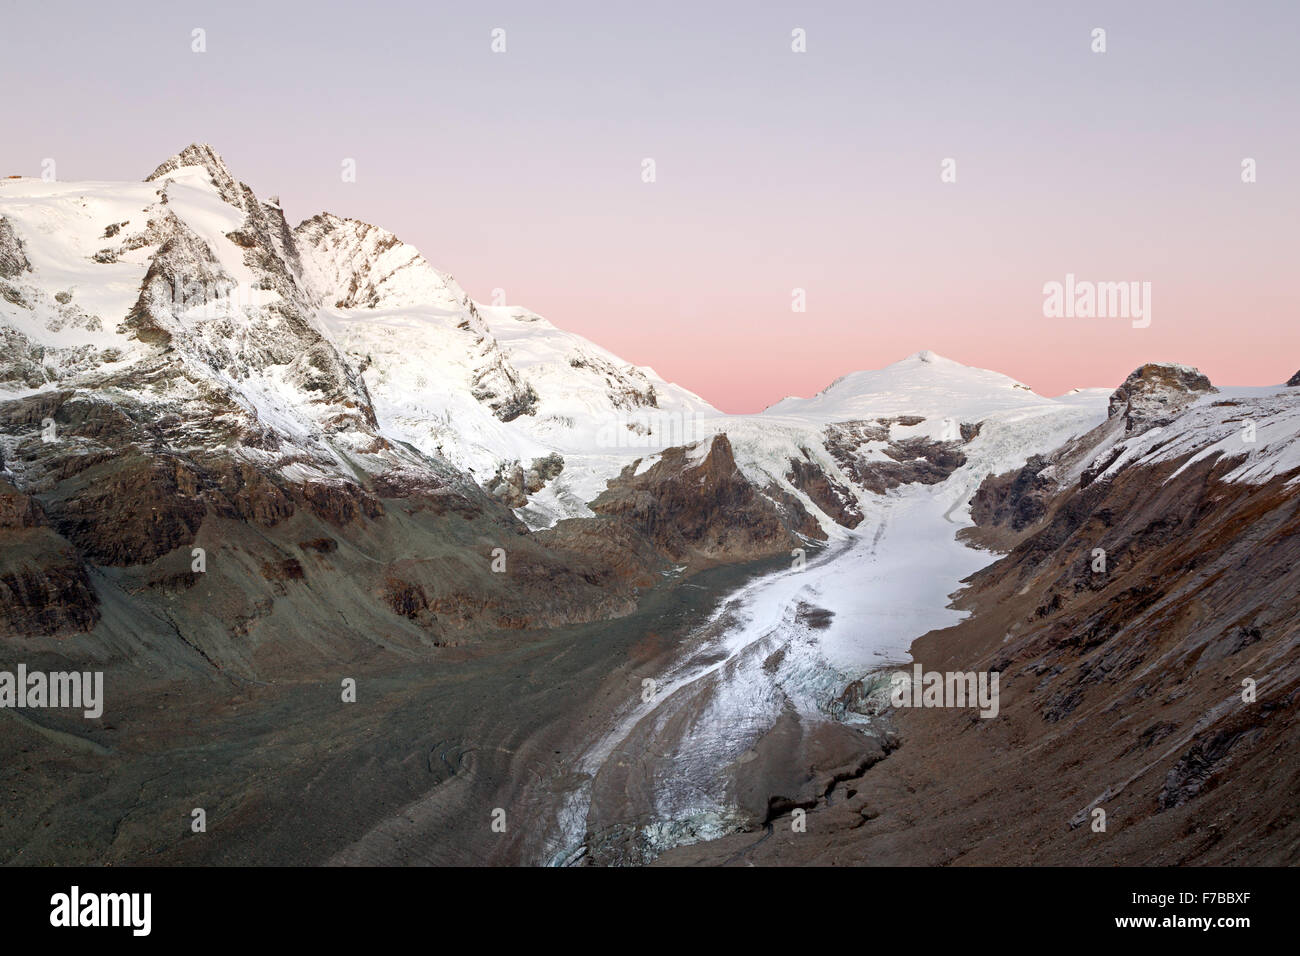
1255, 427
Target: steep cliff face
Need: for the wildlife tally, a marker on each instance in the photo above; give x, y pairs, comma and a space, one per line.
1016, 500
12, 259
835, 499
44, 586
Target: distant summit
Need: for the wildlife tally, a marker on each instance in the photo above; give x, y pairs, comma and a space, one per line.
924, 382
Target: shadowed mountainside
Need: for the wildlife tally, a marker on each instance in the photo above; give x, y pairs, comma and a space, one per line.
1157, 682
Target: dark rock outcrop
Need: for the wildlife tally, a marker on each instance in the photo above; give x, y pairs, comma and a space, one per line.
828, 495
918, 459
912, 460
512, 485
1154, 394
1015, 500
44, 588
13, 260
702, 510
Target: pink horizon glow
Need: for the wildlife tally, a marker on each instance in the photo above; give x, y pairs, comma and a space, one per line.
775, 170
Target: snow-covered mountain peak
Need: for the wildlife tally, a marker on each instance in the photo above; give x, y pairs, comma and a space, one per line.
925, 383
354, 265
926, 357
336, 341
929, 362
201, 156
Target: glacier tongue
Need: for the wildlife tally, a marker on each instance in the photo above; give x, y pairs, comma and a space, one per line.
788, 645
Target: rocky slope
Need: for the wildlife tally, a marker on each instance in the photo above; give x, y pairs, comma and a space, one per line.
696, 506
1143, 627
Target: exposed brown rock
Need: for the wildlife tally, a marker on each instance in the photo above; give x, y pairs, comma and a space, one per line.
48, 594
131, 509
18, 510
340, 502
1015, 500
320, 545
828, 495
436, 494
241, 490
44, 588
614, 553
698, 511
408, 600
289, 569
1154, 393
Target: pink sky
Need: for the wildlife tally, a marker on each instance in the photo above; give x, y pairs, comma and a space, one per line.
776, 170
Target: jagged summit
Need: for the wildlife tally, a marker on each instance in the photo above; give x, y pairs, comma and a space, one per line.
195, 154
203, 156
1154, 393
345, 263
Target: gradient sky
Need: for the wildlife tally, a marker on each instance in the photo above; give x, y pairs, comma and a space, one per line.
775, 170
